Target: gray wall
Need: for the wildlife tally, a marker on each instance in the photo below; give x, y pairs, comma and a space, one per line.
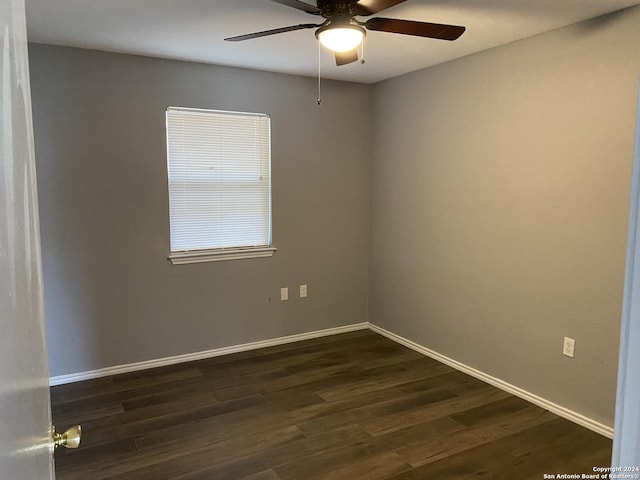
111, 297
500, 191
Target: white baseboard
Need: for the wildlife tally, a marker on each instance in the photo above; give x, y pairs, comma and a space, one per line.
501, 384
189, 357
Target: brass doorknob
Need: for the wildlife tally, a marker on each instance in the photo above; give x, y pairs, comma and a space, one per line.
68, 439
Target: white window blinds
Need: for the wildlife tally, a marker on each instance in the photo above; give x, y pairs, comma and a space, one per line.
219, 169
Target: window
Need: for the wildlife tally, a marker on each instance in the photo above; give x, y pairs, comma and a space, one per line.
219, 169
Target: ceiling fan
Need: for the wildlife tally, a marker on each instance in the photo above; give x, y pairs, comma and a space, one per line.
342, 33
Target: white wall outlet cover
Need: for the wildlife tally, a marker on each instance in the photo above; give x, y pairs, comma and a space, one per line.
303, 291
568, 347
284, 293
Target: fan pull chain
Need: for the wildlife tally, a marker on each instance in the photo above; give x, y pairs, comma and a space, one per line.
319, 71
362, 60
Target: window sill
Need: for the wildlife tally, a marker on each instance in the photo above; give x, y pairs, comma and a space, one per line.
203, 256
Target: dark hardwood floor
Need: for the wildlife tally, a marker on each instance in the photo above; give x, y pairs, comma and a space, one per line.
350, 406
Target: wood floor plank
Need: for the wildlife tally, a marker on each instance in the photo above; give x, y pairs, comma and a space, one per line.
345, 375
544, 436
418, 454
489, 411
267, 475
343, 463
355, 405
473, 463
417, 435
424, 413
158, 417
370, 383
563, 448
95, 397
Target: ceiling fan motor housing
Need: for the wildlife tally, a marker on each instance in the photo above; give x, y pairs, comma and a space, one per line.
341, 21
335, 8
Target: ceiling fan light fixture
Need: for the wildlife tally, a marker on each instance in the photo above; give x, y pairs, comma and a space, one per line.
341, 38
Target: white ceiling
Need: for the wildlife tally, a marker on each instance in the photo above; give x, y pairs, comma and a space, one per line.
194, 30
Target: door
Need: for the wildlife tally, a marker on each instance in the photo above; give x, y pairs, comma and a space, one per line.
626, 441
25, 411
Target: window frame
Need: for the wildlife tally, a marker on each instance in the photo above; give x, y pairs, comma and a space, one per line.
215, 254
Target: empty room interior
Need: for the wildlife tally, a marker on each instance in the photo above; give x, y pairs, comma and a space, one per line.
443, 281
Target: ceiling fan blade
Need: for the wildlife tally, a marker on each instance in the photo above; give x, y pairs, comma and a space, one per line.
344, 58
275, 31
419, 29
369, 7
305, 7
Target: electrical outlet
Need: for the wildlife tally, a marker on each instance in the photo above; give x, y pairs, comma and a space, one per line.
284, 294
303, 291
568, 347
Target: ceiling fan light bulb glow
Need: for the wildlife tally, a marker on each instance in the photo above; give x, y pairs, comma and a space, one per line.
341, 39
